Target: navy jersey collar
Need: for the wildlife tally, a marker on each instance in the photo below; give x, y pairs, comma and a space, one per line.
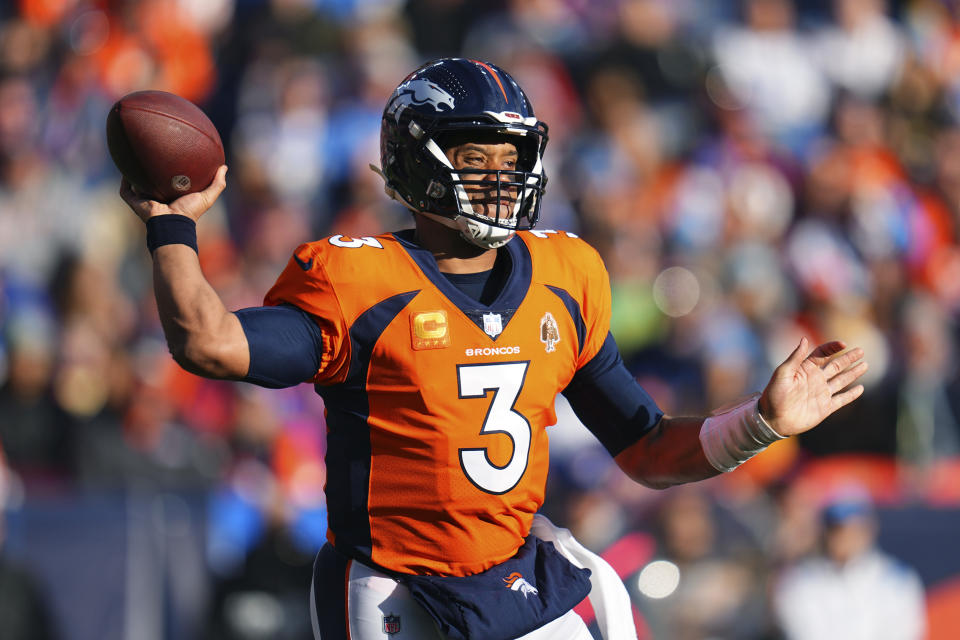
507, 301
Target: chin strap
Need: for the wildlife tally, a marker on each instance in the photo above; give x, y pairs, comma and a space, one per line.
450, 223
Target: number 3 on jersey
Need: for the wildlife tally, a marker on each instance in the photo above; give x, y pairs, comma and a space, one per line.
505, 380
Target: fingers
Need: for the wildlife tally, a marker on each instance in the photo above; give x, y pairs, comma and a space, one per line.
848, 396
194, 205
216, 187
795, 358
213, 191
219, 181
129, 194
842, 362
844, 378
822, 353
140, 206
842, 371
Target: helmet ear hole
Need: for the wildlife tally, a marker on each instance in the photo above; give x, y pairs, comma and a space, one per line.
436, 190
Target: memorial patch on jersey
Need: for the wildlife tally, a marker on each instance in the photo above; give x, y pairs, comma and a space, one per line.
429, 330
549, 332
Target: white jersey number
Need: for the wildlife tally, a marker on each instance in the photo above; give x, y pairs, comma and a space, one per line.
505, 380
354, 243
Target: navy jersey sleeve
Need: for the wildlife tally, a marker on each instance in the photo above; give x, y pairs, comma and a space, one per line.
285, 345
610, 402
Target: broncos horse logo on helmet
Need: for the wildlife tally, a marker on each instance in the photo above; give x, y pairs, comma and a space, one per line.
457, 96
420, 92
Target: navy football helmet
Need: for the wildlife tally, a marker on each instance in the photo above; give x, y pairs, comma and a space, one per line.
444, 102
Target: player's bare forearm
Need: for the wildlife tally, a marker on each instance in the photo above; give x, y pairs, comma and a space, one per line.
670, 454
804, 390
203, 337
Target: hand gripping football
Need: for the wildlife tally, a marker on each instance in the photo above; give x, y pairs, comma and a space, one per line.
164, 145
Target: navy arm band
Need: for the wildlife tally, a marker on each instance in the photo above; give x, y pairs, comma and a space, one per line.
171, 228
610, 402
285, 345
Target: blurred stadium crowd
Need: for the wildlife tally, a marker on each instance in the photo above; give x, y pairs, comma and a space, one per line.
751, 170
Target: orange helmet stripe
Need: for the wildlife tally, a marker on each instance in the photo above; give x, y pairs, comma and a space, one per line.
495, 77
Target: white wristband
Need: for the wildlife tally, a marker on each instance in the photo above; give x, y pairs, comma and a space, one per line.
731, 438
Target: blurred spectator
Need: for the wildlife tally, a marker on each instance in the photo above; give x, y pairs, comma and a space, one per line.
264, 597
650, 41
863, 51
25, 613
32, 424
932, 26
928, 427
719, 587
439, 27
851, 589
767, 64
939, 265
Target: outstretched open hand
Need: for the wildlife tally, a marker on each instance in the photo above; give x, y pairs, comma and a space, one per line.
805, 389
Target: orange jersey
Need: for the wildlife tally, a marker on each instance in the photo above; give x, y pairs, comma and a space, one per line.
437, 405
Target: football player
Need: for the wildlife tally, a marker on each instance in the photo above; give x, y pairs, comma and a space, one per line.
439, 352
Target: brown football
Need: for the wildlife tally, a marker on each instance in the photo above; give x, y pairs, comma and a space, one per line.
164, 145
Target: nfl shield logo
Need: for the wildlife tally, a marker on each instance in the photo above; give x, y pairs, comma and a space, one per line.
492, 324
391, 624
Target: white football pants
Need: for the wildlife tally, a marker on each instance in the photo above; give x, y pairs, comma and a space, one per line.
371, 596
376, 603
